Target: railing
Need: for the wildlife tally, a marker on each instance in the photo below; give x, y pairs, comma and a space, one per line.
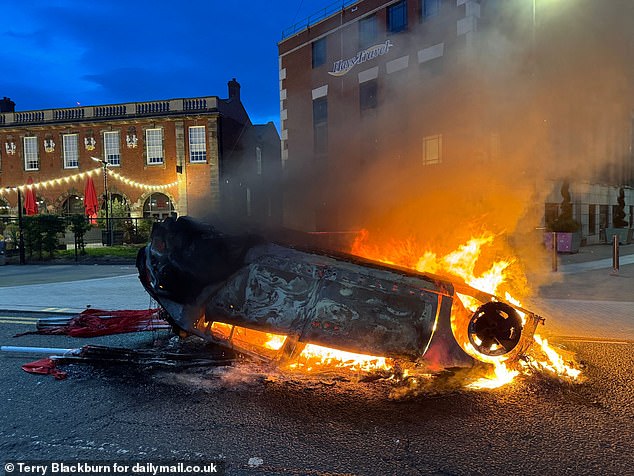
110, 111
153, 107
173, 106
317, 17
194, 104
118, 231
30, 116
69, 114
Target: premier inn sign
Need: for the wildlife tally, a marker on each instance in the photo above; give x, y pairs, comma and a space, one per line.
342, 66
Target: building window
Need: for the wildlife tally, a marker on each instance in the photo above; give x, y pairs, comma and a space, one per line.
551, 212
397, 17
432, 150
71, 150
319, 52
258, 160
158, 205
429, 8
603, 217
111, 150
73, 205
154, 146
320, 125
368, 95
31, 156
368, 31
592, 219
197, 144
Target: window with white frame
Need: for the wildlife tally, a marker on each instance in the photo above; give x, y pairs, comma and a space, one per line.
154, 146
31, 156
432, 150
71, 150
258, 160
197, 144
111, 150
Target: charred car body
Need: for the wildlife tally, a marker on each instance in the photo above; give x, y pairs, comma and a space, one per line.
241, 290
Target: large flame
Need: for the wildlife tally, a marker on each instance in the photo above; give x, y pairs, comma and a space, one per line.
465, 263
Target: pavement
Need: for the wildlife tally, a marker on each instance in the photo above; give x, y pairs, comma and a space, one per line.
584, 299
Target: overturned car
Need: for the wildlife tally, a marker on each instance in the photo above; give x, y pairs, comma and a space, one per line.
272, 300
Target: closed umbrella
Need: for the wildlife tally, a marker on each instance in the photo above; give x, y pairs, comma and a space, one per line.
90, 199
30, 201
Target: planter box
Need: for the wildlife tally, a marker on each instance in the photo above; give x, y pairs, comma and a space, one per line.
624, 234
566, 242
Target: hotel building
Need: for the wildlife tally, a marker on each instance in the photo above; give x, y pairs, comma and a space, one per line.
438, 87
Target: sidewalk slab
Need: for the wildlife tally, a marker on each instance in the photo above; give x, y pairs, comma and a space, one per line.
114, 293
586, 318
605, 263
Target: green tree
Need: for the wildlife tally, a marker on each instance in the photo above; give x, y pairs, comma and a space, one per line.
79, 225
41, 234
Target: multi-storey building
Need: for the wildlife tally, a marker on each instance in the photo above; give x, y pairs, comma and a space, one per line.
468, 94
206, 149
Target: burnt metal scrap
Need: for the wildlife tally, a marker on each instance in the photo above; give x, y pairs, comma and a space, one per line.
203, 278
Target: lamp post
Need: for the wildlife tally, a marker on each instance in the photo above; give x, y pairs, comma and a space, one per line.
20, 228
105, 165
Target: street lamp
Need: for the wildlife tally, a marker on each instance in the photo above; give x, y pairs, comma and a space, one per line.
20, 228
105, 164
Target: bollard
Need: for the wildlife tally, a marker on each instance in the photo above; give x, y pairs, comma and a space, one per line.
554, 251
615, 253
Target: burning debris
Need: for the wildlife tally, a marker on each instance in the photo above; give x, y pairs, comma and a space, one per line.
314, 311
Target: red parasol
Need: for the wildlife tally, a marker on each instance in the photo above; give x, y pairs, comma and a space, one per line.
90, 199
30, 201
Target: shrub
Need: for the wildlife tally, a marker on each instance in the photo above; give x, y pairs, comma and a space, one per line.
565, 223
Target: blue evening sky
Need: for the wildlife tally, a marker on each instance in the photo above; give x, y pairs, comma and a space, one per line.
57, 53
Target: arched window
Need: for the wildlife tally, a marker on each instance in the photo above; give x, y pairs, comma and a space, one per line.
73, 205
158, 205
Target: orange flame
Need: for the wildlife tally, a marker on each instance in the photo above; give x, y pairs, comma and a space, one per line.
501, 376
554, 362
315, 357
463, 263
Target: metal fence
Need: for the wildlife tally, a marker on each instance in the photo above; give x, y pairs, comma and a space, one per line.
96, 232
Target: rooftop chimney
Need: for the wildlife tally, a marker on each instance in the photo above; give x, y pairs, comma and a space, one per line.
6, 105
234, 89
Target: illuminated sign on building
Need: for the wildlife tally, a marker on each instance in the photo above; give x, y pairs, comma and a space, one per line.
342, 66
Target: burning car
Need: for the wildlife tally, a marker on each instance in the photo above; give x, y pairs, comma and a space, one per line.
285, 304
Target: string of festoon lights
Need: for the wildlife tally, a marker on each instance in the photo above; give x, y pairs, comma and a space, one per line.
82, 175
144, 186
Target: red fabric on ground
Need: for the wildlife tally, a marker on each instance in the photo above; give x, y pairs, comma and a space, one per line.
44, 367
97, 322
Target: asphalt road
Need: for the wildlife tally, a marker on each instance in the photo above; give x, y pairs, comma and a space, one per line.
288, 425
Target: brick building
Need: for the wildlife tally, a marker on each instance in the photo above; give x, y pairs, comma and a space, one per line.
426, 89
206, 149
